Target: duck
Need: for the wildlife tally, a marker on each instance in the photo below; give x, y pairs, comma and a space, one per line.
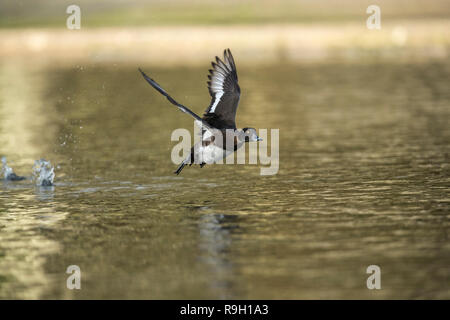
219, 135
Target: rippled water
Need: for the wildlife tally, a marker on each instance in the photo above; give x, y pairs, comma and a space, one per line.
363, 180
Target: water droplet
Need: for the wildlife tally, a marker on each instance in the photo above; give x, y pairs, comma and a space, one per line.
43, 173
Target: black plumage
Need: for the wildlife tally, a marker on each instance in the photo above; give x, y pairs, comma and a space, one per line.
225, 93
221, 113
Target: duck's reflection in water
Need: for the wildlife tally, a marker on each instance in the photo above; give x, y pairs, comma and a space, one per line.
215, 242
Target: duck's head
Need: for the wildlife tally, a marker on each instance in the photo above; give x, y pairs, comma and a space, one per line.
250, 135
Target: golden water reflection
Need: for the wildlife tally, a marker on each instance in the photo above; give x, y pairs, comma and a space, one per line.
363, 180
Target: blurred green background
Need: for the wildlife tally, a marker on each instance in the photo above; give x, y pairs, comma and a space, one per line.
154, 32
103, 13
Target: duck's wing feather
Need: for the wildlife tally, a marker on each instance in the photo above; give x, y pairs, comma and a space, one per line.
225, 93
184, 109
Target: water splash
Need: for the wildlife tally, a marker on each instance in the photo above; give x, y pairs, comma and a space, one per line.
8, 172
43, 173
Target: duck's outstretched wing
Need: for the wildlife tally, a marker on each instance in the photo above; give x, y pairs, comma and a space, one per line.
184, 109
225, 93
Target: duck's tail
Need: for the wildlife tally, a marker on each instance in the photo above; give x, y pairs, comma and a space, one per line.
182, 165
185, 162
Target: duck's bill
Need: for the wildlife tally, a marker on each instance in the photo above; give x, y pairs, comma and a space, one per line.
259, 139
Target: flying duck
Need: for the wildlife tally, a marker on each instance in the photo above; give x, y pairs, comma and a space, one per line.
218, 122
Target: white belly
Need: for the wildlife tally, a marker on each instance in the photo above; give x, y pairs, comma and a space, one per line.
211, 154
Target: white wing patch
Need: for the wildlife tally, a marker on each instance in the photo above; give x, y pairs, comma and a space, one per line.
217, 97
217, 87
224, 91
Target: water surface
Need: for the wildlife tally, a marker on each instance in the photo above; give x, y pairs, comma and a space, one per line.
363, 180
